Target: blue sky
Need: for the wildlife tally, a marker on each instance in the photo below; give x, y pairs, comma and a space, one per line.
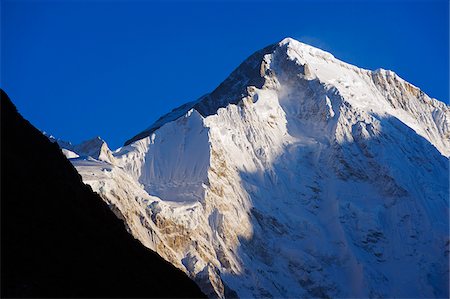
79, 69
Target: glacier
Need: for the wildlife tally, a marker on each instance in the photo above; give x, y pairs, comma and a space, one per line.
299, 176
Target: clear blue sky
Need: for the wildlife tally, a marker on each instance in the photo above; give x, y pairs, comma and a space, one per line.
79, 69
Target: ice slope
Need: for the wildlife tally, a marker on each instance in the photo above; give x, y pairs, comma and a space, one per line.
299, 176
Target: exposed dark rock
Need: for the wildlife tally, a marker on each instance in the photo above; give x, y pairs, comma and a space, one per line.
58, 238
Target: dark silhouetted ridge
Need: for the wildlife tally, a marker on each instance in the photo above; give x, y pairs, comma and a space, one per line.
58, 238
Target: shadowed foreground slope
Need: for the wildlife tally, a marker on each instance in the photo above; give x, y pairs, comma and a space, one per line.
58, 238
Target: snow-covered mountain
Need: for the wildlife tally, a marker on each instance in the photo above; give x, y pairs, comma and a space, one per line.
299, 176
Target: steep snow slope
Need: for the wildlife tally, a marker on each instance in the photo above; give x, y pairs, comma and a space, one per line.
299, 176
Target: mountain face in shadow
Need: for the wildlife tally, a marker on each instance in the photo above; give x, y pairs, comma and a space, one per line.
58, 238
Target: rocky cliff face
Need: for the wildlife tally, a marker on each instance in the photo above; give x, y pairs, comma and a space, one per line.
59, 239
299, 176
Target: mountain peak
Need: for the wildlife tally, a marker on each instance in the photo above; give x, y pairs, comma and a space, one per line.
297, 163
298, 45
291, 63
95, 147
288, 40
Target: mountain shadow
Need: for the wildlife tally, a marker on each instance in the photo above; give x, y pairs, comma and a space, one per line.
58, 237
